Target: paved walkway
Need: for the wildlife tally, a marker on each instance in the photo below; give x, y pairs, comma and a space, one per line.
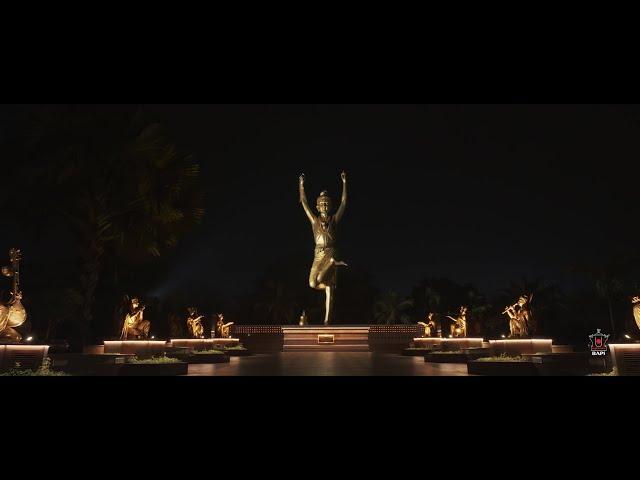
328, 363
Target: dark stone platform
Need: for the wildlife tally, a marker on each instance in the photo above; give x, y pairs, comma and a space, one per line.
153, 370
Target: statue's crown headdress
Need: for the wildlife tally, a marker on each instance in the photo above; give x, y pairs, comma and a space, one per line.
324, 197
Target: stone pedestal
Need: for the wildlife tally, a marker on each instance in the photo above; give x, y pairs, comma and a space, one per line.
28, 356
514, 347
626, 358
140, 348
204, 343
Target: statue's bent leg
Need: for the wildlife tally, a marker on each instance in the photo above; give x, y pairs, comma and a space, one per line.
313, 279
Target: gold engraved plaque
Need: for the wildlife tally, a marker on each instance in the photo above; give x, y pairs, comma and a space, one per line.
325, 338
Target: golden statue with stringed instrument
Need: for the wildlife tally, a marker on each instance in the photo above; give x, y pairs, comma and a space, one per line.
12, 313
134, 325
429, 326
459, 325
194, 323
223, 330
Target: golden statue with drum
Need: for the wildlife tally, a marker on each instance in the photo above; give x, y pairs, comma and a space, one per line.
635, 301
13, 313
134, 326
520, 318
429, 327
194, 323
324, 226
223, 330
459, 325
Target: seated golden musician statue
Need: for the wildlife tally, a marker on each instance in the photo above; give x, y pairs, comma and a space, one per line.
429, 326
194, 323
134, 326
520, 322
459, 325
223, 330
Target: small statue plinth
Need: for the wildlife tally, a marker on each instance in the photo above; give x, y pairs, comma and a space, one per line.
199, 344
28, 356
623, 356
140, 348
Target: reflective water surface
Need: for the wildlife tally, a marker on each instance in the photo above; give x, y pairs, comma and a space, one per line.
328, 363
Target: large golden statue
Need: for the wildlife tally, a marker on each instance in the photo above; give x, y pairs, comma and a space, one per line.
429, 326
520, 318
324, 226
223, 330
459, 325
134, 326
636, 309
194, 323
12, 314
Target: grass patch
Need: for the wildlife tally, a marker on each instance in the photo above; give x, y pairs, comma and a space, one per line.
43, 370
447, 352
612, 373
504, 358
236, 347
152, 360
209, 352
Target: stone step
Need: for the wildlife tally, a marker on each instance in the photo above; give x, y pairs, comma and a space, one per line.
326, 348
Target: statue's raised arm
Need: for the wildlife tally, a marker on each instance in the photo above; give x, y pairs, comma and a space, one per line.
303, 200
343, 201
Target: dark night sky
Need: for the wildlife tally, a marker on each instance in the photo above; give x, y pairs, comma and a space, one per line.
481, 194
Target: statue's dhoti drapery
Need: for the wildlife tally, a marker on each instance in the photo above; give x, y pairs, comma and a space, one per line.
636, 314
323, 270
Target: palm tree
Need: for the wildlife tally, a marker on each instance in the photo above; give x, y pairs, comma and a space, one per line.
278, 302
608, 289
117, 181
607, 278
389, 309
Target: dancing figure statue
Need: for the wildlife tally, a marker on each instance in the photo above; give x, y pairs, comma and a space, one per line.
459, 325
134, 326
12, 313
520, 318
324, 227
194, 323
